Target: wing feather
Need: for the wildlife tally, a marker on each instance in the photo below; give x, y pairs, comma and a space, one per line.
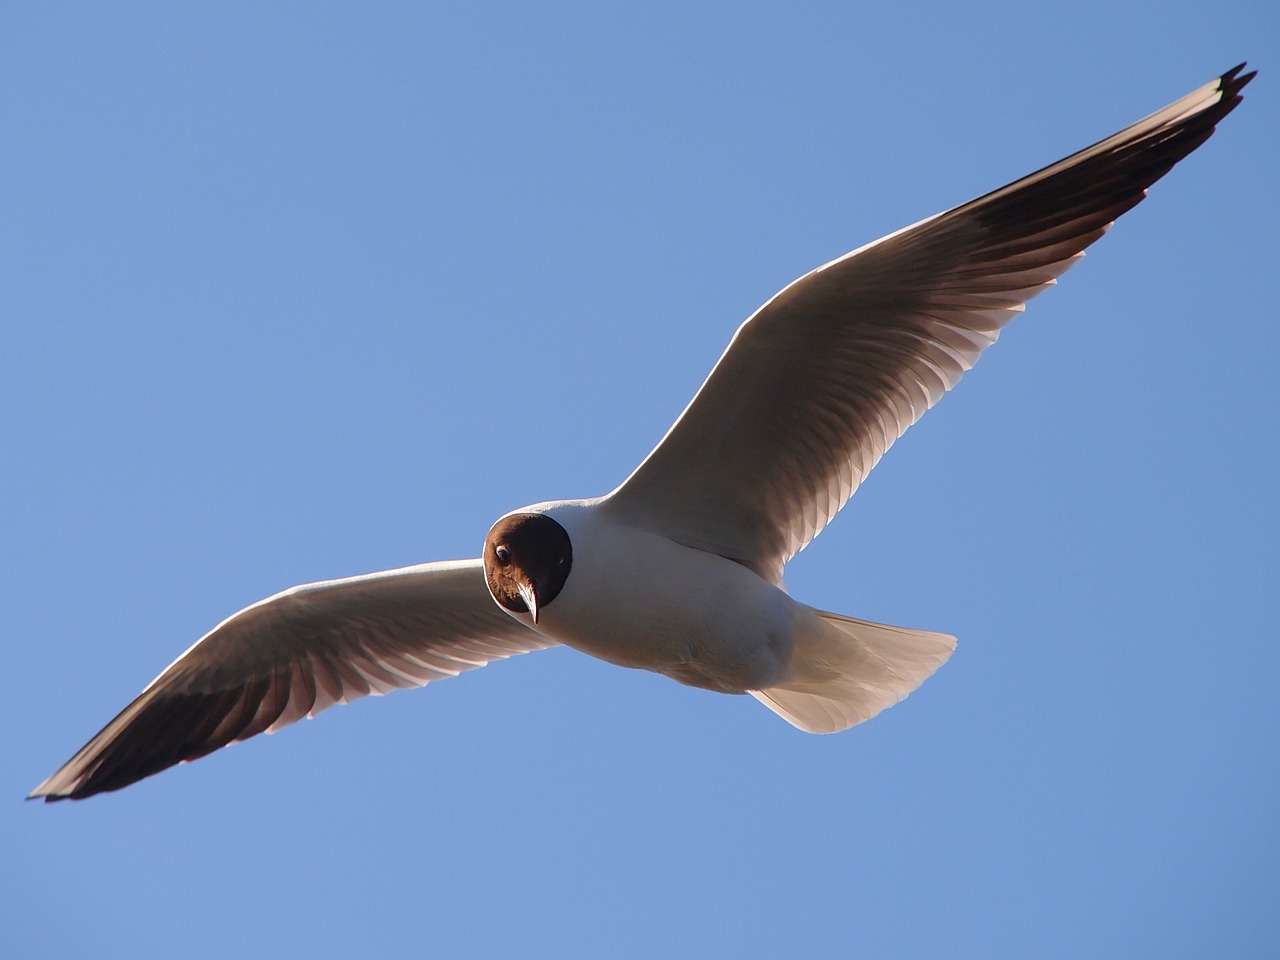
294, 655
821, 380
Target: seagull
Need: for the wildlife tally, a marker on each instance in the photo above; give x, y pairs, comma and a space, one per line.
679, 569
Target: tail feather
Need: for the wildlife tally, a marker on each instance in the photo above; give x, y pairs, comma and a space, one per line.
844, 671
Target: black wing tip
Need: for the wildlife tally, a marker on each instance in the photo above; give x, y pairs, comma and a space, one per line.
108, 780
1230, 85
1232, 82
88, 785
48, 796
75, 791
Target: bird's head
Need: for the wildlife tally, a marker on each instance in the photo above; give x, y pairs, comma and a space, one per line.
527, 558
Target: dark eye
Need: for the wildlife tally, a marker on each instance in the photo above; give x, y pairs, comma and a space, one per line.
502, 553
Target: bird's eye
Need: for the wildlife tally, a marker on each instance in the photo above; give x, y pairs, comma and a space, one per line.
502, 553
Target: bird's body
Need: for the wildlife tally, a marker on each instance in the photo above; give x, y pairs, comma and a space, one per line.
689, 614
636, 598
679, 570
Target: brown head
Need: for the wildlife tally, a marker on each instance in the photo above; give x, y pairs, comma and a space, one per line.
527, 558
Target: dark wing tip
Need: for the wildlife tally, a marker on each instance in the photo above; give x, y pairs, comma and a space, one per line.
166, 725
1231, 83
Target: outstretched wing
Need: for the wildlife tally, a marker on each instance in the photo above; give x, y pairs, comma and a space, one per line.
822, 379
293, 655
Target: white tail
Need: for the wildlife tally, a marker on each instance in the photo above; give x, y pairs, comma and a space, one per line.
843, 671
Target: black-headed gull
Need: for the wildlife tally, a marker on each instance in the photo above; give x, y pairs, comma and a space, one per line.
679, 569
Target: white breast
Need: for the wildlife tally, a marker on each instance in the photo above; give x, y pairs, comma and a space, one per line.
637, 599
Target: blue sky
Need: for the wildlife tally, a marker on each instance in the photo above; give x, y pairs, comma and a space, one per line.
271, 279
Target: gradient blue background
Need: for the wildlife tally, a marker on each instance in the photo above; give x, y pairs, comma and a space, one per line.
298, 291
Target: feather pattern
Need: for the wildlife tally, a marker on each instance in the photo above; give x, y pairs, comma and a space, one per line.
821, 380
292, 656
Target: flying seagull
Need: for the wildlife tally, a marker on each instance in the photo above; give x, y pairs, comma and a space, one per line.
679, 570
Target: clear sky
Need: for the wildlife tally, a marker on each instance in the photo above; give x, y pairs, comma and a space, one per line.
299, 291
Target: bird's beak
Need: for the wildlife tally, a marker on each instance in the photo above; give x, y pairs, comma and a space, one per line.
529, 594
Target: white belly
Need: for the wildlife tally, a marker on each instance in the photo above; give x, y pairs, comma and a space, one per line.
636, 599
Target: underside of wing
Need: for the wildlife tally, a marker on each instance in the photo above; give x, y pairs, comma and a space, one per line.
294, 655
817, 385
